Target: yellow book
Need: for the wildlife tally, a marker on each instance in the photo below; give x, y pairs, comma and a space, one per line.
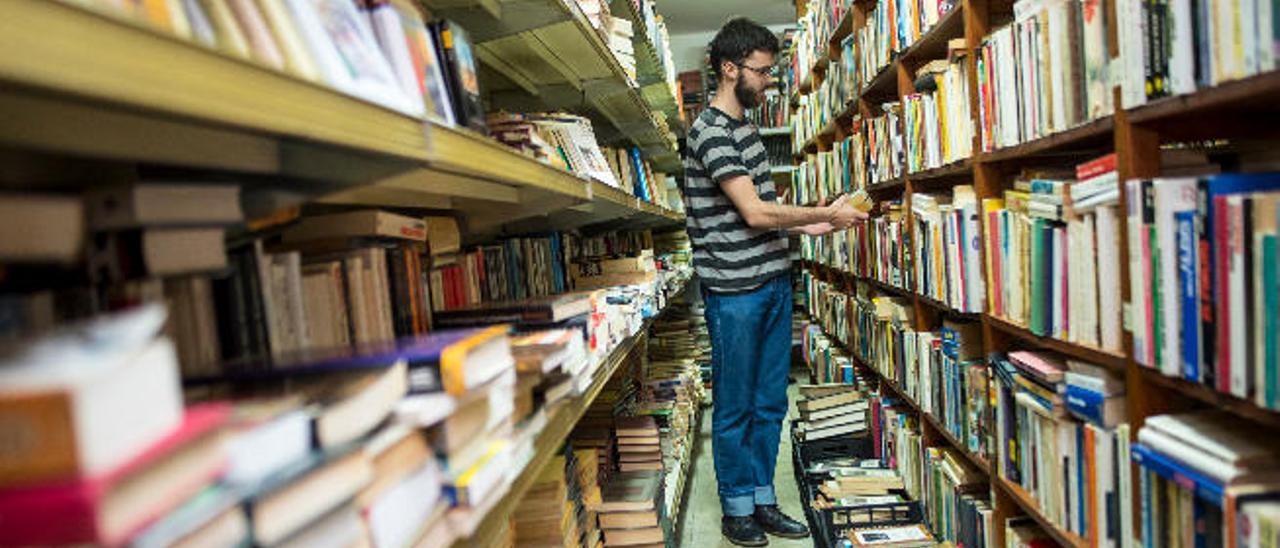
230, 37
156, 12
296, 58
178, 18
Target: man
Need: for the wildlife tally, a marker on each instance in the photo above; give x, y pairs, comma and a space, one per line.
740, 254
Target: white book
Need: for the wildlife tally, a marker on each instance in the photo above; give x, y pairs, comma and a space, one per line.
389, 30
1109, 305
1182, 74
1267, 33
1075, 278
1130, 72
395, 517
1189, 455
1138, 290
971, 213
1172, 196
1219, 435
1238, 303
1059, 316
1089, 274
1124, 485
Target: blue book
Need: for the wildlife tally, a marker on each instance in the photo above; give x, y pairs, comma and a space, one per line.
641, 186
1082, 509
1189, 290
1202, 486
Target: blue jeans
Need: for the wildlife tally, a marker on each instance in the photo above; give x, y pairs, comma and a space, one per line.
750, 359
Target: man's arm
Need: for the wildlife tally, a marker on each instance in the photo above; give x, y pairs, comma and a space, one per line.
760, 214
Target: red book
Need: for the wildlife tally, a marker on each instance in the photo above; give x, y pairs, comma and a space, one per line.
1096, 167
1222, 256
110, 508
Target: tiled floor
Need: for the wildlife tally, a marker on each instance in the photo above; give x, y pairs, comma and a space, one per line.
701, 519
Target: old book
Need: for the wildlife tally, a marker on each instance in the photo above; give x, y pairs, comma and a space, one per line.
162, 204
542, 310
631, 492
642, 426
306, 491
75, 402
632, 537
443, 236
110, 506
156, 252
369, 223
41, 228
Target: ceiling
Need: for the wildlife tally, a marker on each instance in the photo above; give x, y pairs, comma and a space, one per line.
701, 16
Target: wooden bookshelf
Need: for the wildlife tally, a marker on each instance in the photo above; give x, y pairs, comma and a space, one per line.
1243, 109
560, 424
1031, 508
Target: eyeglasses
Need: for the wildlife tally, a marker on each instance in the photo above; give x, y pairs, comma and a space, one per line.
766, 72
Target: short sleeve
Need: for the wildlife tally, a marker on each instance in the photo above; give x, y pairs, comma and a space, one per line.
714, 149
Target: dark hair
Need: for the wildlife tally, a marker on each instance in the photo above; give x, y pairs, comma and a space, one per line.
737, 40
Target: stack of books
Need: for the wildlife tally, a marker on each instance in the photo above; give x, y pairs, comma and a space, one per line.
620, 35
1219, 231
639, 444
543, 516
631, 512
562, 140
597, 272
831, 411
897, 536
1210, 466
948, 265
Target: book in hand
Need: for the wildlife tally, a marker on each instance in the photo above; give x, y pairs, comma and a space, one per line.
74, 390
112, 506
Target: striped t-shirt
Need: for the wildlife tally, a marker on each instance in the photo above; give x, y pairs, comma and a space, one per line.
728, 255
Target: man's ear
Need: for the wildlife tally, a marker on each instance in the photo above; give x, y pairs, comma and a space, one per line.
729, 70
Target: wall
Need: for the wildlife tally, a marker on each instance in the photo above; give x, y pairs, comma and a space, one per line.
690, 49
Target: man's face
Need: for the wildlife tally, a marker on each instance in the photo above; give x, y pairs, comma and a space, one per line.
755, 75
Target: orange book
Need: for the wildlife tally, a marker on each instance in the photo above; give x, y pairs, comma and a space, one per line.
1090, 472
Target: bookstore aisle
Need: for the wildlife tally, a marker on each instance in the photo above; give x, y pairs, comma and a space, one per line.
1062, 313
343, 273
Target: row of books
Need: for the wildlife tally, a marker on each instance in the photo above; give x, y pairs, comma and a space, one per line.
936, 117
1063, 439
1202, 254
466, 408
1045, 72
382, 51
957, 499
774, 112
816, 28
947, 247
878, 147
824, 175
1206, 43
1053, 248
658, 37
892, 27
826, 359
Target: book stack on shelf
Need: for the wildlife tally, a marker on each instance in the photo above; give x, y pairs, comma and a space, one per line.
936, 116
947, 248
631, 512
639, 444
544, 517
1060, 226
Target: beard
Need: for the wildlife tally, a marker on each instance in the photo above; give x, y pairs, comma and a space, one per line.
747, 97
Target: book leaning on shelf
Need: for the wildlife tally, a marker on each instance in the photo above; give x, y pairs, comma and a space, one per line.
947, 249
1203, 280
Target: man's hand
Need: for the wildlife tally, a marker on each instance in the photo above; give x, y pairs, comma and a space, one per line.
843, 215
816, 229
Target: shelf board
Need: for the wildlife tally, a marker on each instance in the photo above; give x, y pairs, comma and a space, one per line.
883, 88
933, 44
1032, 508
550, 441
895, 185
1115, 362
1097, 132
960, 168
841, 31
1240, 407
1232, 101
946, 309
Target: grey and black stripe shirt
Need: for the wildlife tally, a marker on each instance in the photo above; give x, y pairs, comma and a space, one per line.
728, 255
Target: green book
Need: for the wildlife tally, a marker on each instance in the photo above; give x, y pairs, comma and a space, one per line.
1157, 328
1271, 320
1041, 276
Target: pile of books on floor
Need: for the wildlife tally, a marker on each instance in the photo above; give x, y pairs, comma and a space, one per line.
631, 512
830, 411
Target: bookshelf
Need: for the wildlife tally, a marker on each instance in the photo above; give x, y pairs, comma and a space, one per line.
1240, 109
97, 93
552, 439
149, 97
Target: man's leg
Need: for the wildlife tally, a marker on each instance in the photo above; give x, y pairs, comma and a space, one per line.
733, 322
770, 407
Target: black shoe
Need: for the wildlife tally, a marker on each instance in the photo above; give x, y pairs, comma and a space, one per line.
774, 522
743, 531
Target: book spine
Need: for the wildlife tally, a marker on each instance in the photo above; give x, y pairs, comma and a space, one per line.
1188, 283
